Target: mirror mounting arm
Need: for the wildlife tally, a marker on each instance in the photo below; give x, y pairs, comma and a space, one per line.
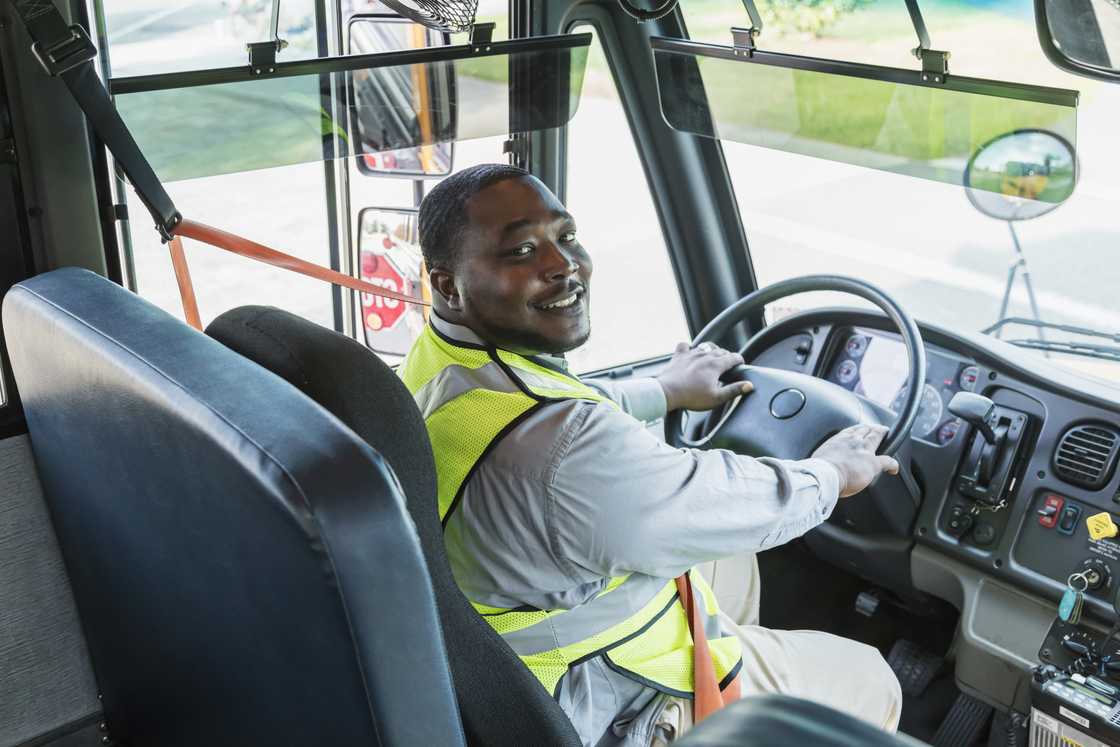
935, 64
262, 55
743, 38
482, 34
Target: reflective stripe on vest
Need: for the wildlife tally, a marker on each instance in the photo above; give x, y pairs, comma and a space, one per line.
470, 398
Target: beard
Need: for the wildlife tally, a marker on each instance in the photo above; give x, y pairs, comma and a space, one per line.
530, 341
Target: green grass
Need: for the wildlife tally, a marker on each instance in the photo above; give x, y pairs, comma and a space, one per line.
866, 122
224, 129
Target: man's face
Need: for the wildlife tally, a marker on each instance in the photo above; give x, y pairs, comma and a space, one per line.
522, 279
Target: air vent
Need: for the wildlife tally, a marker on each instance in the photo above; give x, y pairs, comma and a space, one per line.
1086, 455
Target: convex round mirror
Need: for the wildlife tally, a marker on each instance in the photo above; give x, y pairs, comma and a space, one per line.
1021, 175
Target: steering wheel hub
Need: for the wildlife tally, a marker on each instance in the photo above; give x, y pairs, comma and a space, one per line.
787, 403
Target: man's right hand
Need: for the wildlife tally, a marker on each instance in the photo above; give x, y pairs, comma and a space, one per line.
852, 452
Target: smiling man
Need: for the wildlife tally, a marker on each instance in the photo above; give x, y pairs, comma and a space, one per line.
566, 520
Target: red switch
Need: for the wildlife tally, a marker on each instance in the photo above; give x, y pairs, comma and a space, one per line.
1051, 507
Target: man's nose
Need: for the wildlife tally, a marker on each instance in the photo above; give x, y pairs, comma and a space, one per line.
561, 263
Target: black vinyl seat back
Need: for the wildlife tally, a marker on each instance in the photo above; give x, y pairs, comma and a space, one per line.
244, 567
500, 701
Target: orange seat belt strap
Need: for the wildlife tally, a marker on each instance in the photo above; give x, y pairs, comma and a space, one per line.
707, 698
251, 249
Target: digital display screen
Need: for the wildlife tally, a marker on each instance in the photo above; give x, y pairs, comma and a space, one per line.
883, 371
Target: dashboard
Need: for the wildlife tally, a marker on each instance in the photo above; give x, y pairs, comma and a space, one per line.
1017, 515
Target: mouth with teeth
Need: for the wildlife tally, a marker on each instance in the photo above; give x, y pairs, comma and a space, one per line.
570, 303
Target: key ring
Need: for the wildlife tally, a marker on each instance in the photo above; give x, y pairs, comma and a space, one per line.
1084, 580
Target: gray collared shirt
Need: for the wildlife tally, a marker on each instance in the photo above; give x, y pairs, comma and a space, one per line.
580, 492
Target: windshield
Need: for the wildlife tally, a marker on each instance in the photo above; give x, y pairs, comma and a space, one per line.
945, 253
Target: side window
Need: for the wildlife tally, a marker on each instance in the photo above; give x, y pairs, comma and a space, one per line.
636, 309
282, 206
307, 209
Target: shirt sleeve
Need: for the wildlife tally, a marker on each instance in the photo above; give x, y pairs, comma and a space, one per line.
641, 398
622, 501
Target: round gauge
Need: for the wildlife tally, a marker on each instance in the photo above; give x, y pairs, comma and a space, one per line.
948, 431
929, 411
856, 345
968, 378
929, 414
846, 372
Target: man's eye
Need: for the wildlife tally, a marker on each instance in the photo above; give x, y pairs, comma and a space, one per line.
521, 251
568, 237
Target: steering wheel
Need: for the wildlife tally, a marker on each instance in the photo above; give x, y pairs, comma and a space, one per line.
789, 414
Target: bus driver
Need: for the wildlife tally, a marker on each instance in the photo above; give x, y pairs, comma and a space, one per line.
566, 520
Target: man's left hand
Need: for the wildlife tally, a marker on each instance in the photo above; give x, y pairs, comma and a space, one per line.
691, 380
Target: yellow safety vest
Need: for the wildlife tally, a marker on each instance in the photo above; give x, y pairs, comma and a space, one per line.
471, 397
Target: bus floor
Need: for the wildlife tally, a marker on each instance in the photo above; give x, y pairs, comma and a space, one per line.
790, 569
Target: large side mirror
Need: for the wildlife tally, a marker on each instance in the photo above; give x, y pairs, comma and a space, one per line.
1081, 36
389, 257
1018, 176
402, 118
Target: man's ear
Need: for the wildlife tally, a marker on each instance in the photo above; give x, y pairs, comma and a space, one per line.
443, 283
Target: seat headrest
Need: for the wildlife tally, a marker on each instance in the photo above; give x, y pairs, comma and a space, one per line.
351, 382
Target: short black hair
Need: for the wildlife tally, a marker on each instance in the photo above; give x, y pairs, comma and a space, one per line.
443, 213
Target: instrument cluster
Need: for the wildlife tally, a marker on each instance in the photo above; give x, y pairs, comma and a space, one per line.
873, 364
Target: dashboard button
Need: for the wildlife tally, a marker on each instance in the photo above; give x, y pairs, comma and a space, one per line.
983, 533
1068, 521
958, 525
1048, 514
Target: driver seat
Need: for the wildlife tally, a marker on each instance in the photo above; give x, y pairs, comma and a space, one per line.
500, 701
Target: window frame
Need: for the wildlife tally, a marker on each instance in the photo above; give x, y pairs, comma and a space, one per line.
713, 273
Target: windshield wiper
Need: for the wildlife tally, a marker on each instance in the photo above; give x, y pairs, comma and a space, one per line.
1106, 352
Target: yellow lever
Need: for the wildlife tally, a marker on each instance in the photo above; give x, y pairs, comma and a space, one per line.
1101, 526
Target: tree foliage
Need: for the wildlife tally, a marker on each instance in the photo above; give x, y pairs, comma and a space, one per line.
805, 16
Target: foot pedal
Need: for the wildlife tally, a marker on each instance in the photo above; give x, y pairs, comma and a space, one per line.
914, 666
964, 723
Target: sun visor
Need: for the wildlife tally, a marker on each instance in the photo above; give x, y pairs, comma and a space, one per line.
228, 120
882, 118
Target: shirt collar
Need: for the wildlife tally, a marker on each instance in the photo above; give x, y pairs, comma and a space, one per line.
455, 332
463, 334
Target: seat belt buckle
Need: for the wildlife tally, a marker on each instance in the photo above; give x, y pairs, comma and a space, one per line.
65, 54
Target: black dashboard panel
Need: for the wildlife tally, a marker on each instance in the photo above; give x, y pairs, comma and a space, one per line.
1011, 541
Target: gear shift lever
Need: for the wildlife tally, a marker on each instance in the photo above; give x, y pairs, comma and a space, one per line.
977, 410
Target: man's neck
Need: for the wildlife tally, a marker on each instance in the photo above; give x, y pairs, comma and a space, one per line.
464, 335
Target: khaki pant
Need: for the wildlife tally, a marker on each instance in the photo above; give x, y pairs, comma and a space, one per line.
838, 672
